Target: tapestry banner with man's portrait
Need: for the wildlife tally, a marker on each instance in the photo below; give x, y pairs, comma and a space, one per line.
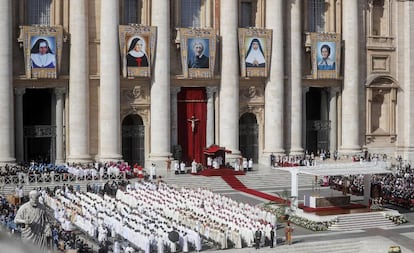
255, 47
42, 50
137, 45
326, 55
198, 52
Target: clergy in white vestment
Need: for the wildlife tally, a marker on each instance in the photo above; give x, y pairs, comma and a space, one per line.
236, 165
215, 163
197, 242
173, 247
185, 242
209, 161
102, 234
194, 167
182, 167
152, 172
250, 164
160, 244
117, 247
129, 249
176, 167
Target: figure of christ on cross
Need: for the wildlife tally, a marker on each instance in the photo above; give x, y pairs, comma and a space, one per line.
193, 121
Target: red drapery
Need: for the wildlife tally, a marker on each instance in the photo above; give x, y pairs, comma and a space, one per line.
192, 102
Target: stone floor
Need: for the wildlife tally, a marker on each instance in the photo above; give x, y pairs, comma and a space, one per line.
269, 180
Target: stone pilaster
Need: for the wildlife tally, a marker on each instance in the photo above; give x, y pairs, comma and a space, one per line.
18, 102
210, 116
333, 117
229, 88
304, 119
174, 113
6, 90
160, 88
274, 92
296, 51
60, 101
350, 92
109, 99
78, 83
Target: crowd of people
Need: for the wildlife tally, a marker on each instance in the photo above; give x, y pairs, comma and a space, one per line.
307, 159
155, 217
395, 188
59, 237
39, 172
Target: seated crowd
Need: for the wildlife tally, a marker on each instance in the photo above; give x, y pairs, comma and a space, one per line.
60, 237
147, 215
395, 188
45, 172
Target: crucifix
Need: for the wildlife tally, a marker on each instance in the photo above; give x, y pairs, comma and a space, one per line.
193, 121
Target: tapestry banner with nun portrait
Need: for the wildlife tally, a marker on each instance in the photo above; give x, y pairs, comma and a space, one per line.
42, 50
326, 55
137, 45
255, 46
198, 52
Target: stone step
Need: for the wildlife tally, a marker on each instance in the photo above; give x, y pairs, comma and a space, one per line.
337, 246
361, 221
358, 227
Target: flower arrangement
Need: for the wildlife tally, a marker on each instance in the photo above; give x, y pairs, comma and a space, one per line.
397, 219
311, 225
281, 215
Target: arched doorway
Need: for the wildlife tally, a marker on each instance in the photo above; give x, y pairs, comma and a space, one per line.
133, 145
39, 133
248, 136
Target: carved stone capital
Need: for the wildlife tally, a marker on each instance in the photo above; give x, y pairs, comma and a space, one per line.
19, 91
59, 92
210, 91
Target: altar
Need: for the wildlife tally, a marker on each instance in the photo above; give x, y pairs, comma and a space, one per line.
323, 201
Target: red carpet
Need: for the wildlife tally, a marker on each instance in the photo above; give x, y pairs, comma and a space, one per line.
219, 172
237, 185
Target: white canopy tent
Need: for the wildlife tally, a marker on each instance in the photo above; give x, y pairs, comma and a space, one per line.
337, 169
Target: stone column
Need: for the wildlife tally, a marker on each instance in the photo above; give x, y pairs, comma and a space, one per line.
304, 119
18, 96
174, 113
60, 101
367, 189
324, 105
333, 145
296, 50
274, 92
229, 87
350, 99
160, 89
210, 116
6, 87
294, 194
109, 100
78, 124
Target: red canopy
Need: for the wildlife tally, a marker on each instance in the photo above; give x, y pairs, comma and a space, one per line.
214, 149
